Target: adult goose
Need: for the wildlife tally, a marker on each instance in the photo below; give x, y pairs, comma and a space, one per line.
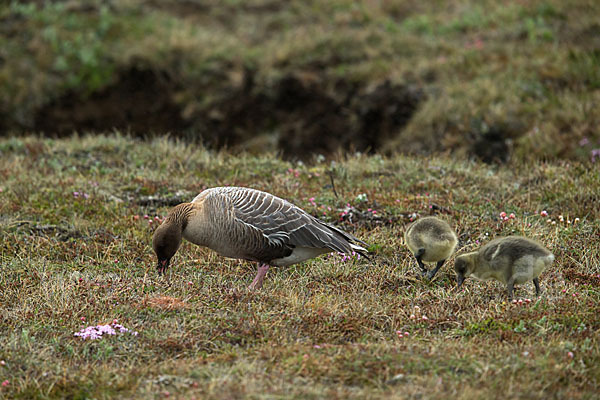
249, 224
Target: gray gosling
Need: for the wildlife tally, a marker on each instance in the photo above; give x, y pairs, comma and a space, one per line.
431, 240
510, 260
249, 224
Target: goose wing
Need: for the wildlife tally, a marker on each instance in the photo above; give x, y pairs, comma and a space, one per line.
285, 224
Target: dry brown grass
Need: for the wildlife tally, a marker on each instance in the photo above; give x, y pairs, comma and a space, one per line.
164, 303
324, 328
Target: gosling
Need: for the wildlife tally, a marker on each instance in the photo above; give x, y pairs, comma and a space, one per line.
431, 240
510, 260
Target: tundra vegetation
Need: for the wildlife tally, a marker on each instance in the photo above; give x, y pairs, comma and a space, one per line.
488, 78
77, 216
484, 111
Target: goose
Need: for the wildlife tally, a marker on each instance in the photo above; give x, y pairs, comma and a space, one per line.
510, 260
431, 240
249, 224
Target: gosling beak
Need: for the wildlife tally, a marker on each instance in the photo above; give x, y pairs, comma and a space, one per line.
163, 265
459, 280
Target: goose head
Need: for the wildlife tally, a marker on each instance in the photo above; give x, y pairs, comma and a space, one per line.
463, 266
165, 242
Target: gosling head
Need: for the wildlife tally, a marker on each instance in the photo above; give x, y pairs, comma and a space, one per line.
165, 242
463, 266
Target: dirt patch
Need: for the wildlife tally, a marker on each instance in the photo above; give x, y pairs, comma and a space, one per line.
493, 144
139, 101
310, 115
302, 113
165, 303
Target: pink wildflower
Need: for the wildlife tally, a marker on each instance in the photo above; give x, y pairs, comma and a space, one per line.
96, 332
512, 216
502, 214
5, 383
544, 213
569, 354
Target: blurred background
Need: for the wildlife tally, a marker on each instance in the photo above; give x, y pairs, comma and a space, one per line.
493, 80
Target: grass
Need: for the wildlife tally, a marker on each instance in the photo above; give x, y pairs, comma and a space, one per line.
326, 327
527, 69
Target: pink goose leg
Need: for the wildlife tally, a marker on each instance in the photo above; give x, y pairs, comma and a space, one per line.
260, 276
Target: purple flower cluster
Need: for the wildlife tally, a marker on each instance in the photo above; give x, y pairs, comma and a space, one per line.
96, 332
343, 257
83, 195
595, 152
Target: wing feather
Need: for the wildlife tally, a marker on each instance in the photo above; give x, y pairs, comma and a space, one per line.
284, 225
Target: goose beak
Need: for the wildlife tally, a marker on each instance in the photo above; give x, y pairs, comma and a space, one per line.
163, 265
459, 280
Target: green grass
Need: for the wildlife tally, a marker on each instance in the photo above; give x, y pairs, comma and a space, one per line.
321, 328
529, 69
